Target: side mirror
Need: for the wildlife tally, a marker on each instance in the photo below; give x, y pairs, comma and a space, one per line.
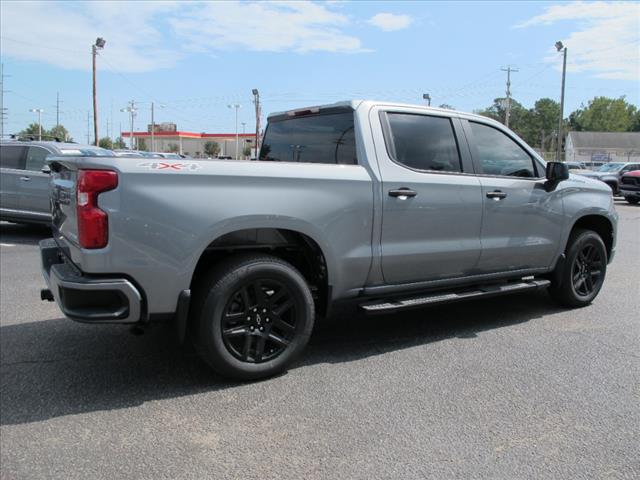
46, 169
557, 171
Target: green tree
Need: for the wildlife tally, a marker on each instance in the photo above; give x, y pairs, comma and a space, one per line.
32, 131
142, 144
60, 133
173, 148
543, 123
446, 106
246, 151
106, 142
119, 143
604, 114
519, 118
211, 148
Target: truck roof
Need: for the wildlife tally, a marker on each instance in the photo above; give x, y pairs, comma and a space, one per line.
357, 103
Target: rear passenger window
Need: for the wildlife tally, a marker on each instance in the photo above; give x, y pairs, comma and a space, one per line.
35, 158
500, 155
423, 142
327, 138
11, 156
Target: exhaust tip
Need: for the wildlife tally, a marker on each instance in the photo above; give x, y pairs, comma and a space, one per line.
46, 294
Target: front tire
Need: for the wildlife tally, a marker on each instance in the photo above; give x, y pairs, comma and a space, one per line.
253, 316
582, 274
632, 200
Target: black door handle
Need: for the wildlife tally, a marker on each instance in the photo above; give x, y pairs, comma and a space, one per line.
402, 192
496, 195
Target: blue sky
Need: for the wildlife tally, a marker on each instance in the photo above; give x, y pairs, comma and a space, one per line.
197, 57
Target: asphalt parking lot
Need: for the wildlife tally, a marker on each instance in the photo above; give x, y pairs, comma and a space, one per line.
511, 387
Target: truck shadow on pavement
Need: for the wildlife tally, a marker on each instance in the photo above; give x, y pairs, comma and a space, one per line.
56, 367
19, 234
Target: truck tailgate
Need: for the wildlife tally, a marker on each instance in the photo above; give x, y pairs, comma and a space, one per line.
63, 201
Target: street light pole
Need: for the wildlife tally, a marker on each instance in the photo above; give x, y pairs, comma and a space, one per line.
561, 47
131, 109
236, 106
100, 42
256, 100
39, 112
153, 130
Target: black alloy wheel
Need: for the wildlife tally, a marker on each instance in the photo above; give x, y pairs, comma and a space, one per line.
251, 316
259, 321
587, 274
578, 279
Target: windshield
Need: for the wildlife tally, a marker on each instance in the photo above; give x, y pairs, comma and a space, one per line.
610, 167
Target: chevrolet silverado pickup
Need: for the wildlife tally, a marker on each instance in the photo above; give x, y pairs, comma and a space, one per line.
379, 205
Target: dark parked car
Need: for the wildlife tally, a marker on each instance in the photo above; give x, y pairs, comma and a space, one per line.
630, 186
610, 173
24, 179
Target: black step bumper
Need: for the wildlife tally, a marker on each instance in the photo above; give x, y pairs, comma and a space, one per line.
86, 298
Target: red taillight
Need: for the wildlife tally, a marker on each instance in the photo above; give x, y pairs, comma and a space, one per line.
93, 223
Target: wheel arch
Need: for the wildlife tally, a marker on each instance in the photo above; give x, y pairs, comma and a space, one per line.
600, 224
296, 246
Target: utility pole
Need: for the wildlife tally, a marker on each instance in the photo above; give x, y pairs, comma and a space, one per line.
88, 127
100, 42
561, 48
57, 109
237, 107
3, 110
508, 69
39, 112
256, 101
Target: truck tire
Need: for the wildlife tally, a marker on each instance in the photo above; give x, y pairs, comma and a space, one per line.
632, 200
253, 316
581, 275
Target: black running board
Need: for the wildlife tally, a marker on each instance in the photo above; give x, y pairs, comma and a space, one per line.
389, 306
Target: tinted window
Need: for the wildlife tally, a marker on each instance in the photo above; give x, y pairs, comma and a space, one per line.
499, 154
423, 142
326, 138
35, 158
11, 156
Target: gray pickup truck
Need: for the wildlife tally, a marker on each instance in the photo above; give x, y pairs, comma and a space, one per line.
378, 205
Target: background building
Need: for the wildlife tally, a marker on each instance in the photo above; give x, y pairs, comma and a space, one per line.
596, 148
168, 138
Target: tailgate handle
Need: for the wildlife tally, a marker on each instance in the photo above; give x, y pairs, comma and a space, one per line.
25, 179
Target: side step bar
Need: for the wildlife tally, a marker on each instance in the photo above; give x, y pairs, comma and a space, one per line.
389, 306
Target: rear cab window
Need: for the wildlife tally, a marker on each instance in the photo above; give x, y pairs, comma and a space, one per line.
422, 142
323, 137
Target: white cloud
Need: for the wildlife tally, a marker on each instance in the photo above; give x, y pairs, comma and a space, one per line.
144, 36
62, 33
606, 41
266, 26
390, 22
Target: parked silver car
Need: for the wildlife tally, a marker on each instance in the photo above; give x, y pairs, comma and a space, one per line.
24, 178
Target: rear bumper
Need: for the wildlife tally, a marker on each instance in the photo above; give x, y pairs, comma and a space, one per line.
88, 299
